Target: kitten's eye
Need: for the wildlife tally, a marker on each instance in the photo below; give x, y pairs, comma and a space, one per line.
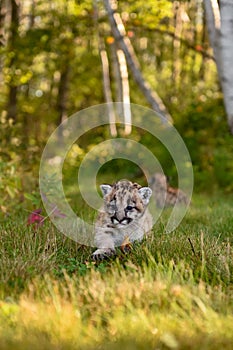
129, 207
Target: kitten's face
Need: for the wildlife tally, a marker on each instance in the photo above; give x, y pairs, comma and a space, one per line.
125, 202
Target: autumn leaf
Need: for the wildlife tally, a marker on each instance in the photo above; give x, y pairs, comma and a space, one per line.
130, 34
36, 218
110, 40
199, 48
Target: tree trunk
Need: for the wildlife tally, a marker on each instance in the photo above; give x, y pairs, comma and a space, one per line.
62, 94
13, 35
12, 102
122, 86
125, 91
203, 44
117, 77
213, 25
176, 43
219, 17
107, 91
124, 43
2, 20
106, 74
226, 29
26, 114
61, 105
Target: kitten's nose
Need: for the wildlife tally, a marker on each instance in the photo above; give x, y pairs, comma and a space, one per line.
120, 215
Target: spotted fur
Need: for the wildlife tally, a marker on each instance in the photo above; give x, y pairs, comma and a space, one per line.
165, 195
124, 216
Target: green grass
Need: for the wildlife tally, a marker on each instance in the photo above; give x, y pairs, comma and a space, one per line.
174, 291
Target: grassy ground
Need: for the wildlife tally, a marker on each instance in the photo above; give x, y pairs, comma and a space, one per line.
175, 291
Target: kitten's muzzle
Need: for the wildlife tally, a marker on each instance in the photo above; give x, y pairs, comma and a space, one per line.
125, 220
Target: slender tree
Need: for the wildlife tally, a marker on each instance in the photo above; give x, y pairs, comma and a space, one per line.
125, 91
2, 34
106, 74
176, 42
107, 91
12, 42
2, 20
117, 75
219, 15
62, 93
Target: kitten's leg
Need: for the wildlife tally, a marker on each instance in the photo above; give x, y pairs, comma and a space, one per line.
105, 245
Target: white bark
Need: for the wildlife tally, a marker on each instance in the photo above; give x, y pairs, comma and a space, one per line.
226, 47
106, 75
213, 24
122, 86
107, 92
219, 16
125, 91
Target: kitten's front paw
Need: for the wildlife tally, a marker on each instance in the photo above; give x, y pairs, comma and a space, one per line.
101, 254
126, 245
126, 248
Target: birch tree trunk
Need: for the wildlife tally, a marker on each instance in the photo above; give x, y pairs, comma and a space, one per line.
219, 15
107, 91
125, 91
121, 78
106, 74
119, 33
226, 11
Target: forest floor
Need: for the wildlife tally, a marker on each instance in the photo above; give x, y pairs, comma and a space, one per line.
174, 291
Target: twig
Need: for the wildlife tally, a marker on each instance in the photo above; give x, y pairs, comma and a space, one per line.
192, 247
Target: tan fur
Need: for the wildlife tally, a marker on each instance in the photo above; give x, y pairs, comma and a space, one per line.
165, 195
124, 216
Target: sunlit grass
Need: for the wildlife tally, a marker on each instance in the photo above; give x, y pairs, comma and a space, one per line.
174, 291
139, 308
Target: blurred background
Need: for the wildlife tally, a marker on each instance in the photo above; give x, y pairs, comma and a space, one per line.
58, 57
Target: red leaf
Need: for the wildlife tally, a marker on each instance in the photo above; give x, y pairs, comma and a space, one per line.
35, 218
199, 48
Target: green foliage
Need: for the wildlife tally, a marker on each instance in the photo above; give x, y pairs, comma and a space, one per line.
74, 266
147, 14
209, 143
64, 36
34, 198
10, 187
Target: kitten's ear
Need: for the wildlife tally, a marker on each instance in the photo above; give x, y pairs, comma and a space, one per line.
145, 193
105, 189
